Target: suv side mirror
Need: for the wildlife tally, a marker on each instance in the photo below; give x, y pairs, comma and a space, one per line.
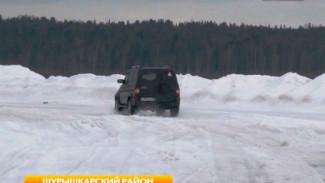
121, 81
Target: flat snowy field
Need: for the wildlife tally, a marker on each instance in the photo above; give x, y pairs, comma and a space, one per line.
235, 129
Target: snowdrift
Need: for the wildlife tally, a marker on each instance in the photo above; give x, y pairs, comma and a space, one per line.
290, 87
19, 84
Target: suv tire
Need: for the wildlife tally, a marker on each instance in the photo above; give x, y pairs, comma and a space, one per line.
174, 111
117, 106
130, 108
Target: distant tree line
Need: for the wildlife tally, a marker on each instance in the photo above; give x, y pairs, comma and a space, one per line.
205, 48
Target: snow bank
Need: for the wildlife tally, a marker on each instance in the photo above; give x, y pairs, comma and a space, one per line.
16, 75
252, 88
19, 84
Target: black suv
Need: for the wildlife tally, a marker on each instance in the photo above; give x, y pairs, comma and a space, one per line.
149, 88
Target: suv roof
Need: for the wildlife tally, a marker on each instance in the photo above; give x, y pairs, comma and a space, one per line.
139, 67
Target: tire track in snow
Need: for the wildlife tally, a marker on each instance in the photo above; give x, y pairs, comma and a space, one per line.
218, 145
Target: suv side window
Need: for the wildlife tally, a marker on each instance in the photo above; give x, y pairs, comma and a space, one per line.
127, 77
132, 78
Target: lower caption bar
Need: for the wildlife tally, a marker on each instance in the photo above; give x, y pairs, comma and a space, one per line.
98, 179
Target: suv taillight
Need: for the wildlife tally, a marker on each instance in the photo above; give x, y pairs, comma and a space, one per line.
178, 92
137, 91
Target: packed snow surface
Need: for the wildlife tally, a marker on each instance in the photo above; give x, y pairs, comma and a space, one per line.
237, 128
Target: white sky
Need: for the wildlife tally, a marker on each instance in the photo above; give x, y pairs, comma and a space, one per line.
290, 13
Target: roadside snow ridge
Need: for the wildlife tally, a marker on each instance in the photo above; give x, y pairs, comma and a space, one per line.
20, 83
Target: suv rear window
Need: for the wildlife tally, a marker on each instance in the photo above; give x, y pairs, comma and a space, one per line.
149, 76
156, 75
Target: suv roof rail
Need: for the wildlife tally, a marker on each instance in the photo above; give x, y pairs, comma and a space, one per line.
136, 67
167, 67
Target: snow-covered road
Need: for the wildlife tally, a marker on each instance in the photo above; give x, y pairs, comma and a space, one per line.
203, 144
254, 129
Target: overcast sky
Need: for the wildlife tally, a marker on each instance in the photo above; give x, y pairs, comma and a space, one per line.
291, 13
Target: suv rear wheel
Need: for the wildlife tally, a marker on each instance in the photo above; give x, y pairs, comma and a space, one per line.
130, 108
174, 111
117, 106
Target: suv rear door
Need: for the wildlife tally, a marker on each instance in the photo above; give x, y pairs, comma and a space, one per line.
159, 84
